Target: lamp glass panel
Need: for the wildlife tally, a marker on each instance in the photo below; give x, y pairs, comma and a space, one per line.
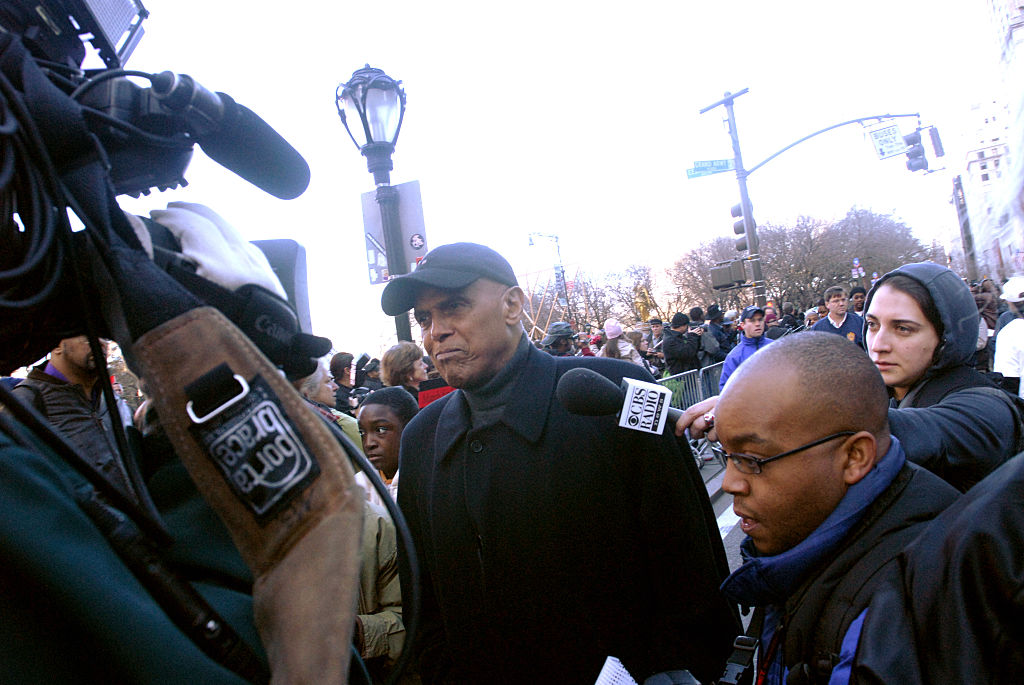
383, 111
353, 117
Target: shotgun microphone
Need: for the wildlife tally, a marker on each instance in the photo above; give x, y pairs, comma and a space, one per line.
233, 136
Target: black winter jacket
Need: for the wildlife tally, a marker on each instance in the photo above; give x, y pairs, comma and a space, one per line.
549, 541
74, 416
954, 611
680, 351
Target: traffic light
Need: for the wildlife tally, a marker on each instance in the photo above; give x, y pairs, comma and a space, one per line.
916, 160
740, 227
936, 142
728, 275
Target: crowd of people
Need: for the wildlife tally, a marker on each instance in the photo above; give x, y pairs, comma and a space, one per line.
529, 520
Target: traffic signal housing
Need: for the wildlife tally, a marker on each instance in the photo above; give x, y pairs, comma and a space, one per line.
916, 161
728, 275
936, 142
740, 227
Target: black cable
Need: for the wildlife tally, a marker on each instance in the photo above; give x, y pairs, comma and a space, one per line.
171, 142
39, 427
410, 613
357, 667
30, 193
91, 83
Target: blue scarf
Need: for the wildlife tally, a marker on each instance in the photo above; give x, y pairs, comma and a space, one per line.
762, 581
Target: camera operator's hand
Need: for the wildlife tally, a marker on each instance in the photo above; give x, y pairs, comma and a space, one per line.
220, 252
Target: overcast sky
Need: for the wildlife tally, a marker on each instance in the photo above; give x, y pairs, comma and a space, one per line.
577, 119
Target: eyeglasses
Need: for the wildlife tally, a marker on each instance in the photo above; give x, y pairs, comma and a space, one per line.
745, 463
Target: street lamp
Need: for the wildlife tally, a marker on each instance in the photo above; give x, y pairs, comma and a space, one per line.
375, 103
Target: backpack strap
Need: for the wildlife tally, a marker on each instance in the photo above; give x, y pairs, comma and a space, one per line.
818, 619
738, 667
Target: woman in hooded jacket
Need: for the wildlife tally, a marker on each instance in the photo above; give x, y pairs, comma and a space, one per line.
920, 330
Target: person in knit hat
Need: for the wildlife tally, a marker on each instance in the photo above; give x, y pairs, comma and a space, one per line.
617, 346
681, 345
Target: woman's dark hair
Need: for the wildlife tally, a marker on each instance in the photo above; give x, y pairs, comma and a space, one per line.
612, 350
919, 294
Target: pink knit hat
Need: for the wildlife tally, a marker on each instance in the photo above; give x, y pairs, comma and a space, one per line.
612, 328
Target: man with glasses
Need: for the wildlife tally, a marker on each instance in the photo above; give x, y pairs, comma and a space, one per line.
824, 493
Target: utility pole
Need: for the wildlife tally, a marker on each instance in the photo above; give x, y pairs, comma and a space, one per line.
750, 228
744, 209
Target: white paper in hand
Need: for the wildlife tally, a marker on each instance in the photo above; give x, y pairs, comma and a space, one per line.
614, 673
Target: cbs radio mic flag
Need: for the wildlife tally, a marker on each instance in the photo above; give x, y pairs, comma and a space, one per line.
644, 406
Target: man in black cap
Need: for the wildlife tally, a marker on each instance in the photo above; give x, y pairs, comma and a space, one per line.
681, 345
533, 523
655, 339
558, 341
708, 352
752, 338
715, 327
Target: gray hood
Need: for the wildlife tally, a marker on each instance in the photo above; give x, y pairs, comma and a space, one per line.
956, 307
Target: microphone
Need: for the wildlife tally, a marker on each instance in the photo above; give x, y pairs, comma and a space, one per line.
639, 405
233, 136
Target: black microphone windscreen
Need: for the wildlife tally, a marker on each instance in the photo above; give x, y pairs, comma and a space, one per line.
251, 148
585, 392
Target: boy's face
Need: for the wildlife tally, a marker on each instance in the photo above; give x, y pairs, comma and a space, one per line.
381, 431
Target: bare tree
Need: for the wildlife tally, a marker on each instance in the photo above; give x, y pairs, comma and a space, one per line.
595, 300
800, 262
691, 278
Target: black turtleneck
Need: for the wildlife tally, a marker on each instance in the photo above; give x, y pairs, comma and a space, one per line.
487, 402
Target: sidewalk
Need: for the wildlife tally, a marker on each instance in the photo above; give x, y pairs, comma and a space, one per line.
713, 474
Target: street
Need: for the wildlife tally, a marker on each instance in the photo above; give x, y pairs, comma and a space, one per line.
712, 473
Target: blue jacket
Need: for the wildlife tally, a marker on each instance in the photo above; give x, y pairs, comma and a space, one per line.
738, 355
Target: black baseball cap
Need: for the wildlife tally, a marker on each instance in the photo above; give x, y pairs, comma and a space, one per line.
750, 311
448, 267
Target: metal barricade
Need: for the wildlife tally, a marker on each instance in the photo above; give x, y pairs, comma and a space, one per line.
709, 377
689, 388
685, 388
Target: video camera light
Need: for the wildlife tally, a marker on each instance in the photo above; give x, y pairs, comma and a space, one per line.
54, 30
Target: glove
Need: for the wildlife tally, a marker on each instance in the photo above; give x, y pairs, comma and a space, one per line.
219, 251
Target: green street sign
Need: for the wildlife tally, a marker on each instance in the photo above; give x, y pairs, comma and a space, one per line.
710, 166
715, 165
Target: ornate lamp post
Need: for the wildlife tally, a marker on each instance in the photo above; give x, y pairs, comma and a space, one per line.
374, 103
